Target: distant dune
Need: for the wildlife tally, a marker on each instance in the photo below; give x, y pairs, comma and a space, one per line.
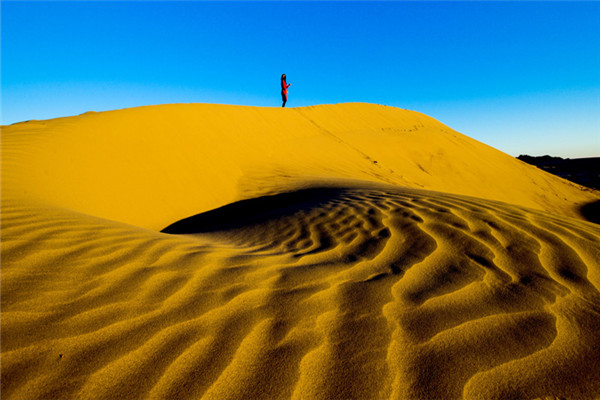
584, 171
335, 251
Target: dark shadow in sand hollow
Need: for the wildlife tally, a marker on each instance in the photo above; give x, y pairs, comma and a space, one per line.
253, 211
591, 212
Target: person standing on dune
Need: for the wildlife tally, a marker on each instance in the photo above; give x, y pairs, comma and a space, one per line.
284, 87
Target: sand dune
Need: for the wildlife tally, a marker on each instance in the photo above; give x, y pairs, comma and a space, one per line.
348, 251
150, 166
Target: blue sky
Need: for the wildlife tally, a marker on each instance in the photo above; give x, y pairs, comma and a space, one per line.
523, 77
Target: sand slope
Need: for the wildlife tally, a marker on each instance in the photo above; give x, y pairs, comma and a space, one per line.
151, 166
348, 251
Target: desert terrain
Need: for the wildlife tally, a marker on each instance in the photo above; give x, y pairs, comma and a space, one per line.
334, 251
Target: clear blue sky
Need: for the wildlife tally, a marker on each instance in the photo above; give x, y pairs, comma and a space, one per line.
523, 77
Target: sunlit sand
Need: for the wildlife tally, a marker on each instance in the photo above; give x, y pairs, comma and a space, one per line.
335, 251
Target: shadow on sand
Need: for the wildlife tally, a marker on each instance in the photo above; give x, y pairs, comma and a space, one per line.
252, 211
591, 212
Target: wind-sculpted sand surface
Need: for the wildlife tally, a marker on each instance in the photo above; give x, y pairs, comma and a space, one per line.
346, 289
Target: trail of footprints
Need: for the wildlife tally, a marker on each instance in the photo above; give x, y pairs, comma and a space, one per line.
377, 293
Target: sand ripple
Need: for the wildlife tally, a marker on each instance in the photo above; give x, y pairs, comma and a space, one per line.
321, 293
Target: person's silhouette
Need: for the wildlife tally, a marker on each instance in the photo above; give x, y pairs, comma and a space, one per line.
284, 87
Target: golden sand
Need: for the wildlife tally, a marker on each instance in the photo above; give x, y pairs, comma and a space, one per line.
339, 251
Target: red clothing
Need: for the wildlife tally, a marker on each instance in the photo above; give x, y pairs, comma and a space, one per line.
284, 86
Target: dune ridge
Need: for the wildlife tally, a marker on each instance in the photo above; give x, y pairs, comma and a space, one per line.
345, 282
150, 166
